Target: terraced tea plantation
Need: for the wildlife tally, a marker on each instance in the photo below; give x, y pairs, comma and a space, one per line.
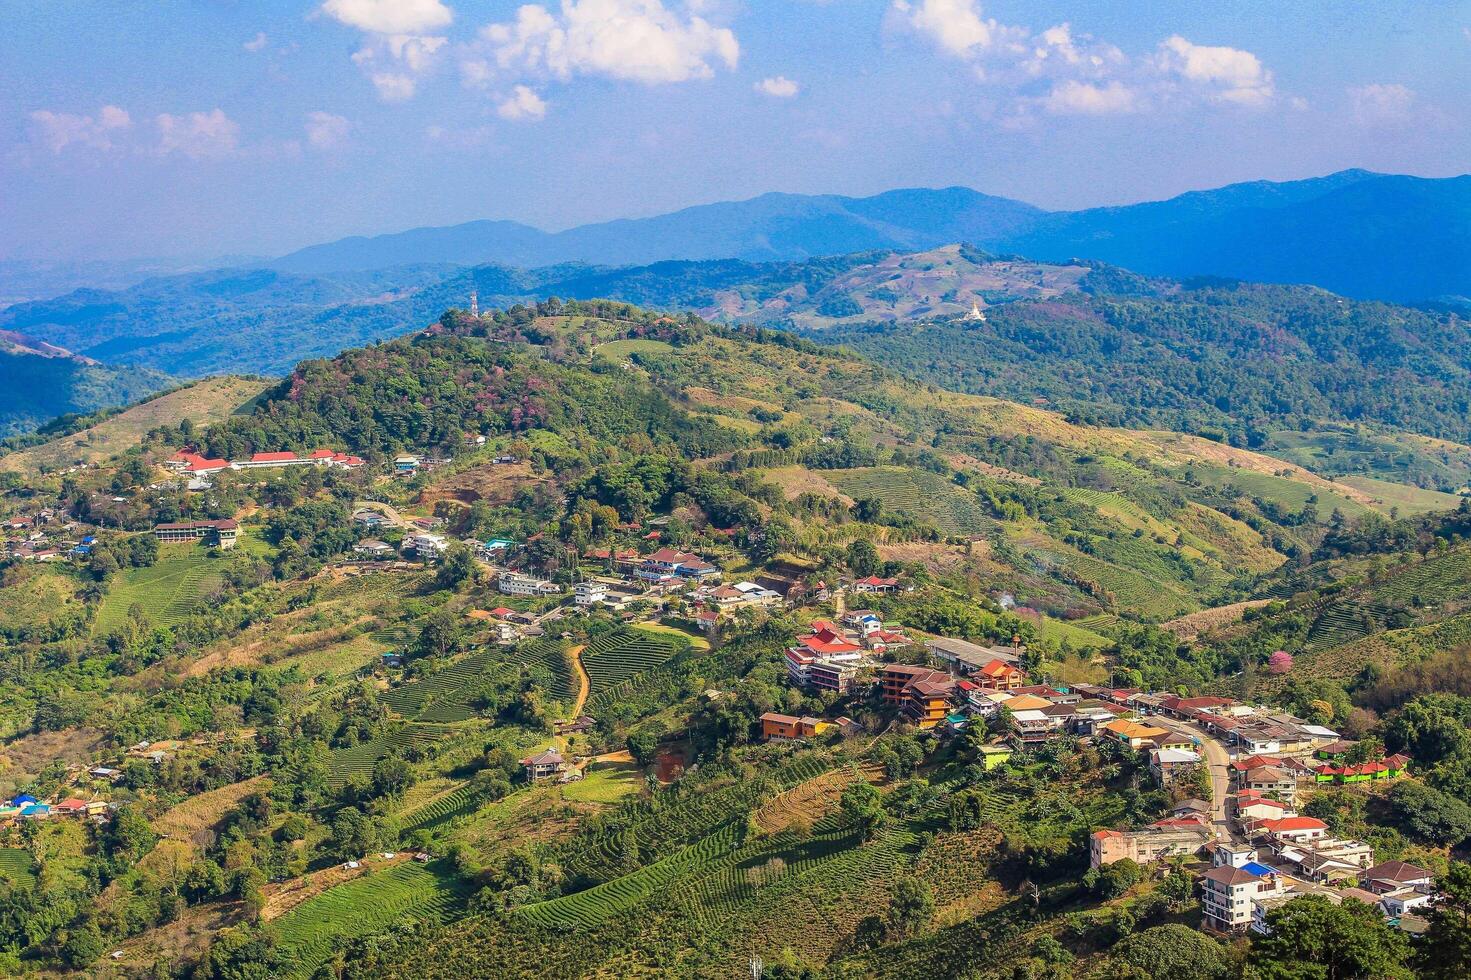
166, 591
17, 866
920, 494
456, 803
358, 761
615, 657
425, 894
446, 697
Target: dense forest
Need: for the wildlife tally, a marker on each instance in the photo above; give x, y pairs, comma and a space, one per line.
1231, 358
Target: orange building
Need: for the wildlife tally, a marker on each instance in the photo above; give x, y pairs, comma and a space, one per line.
779, 726
1000, 676
894, 678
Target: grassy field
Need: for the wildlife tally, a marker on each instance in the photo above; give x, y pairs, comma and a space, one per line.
39, 597
166, 591
697, 642
405, 893
1291, 494
1409, 500
1080, 637
605, 782
208, 401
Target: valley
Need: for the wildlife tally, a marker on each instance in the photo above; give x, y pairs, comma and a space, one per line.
613, 628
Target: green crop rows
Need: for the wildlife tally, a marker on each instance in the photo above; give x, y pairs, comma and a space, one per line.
17, 866
359, 760
683, 822
446, 696
615, 657
408, 892
456, 803
167, 591
923, 495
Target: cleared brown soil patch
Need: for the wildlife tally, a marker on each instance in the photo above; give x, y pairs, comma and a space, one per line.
936, 557
29, 755
797, 480
1190, 626
184, 937
496, 483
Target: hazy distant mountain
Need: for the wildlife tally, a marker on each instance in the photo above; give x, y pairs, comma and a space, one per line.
39, 381
770, 227
1354, 232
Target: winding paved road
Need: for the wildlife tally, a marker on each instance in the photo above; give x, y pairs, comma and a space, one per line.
1218, 760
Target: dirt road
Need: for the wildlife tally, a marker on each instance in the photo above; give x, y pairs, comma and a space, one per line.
584, 681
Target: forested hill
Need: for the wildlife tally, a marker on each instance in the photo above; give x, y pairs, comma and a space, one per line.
1223, 358
36, 387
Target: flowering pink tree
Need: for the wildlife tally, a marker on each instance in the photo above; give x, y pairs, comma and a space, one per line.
1279, 662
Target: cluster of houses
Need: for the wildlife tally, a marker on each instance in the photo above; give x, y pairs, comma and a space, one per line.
194, 465
1240, 890
833, 655
24, 806
1268, 853
39, 537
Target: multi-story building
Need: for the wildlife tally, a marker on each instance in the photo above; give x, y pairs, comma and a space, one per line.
514, 583
835, 657
222, 532
1228, 894
589, 593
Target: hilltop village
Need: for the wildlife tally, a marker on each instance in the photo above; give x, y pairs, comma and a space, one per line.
502, 666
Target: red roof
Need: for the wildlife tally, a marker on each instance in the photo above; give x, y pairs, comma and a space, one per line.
501, 612
875, 580
272, 457
828, 647
323, 454
200, 463
1294, 823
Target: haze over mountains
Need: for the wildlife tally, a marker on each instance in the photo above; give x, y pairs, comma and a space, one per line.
781, 259
1354, 232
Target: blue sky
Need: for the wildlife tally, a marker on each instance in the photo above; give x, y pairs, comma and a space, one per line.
211, 127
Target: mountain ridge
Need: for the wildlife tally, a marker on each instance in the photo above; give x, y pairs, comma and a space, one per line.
1272, 231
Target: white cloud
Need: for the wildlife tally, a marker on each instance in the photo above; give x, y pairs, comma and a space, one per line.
1222, 74
256, 43
1058, 51
390, 16
58, 130
324, 130
1381, 105
397, 51
394, 86
635, 40
522, 104
779, 87
1072, 97
198, 135
955, 26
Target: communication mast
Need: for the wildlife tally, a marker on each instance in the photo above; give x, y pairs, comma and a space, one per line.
474, 303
